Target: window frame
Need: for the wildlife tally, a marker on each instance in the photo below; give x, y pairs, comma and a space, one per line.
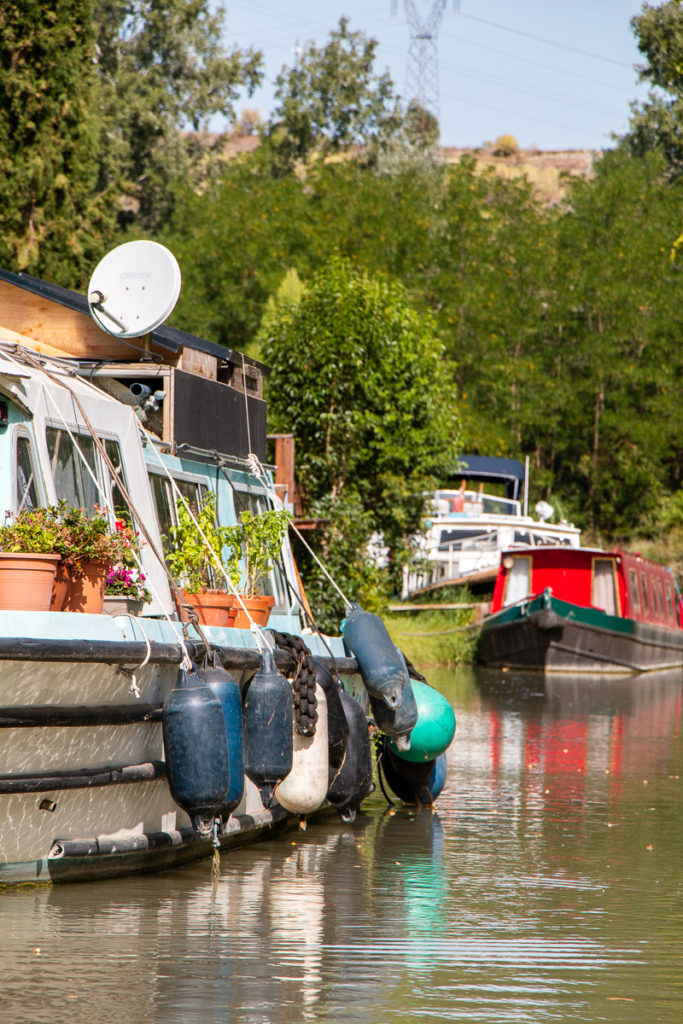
22, 434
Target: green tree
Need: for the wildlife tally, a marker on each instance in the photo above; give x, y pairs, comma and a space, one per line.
609, 355
421, 126
331, 100
162, 70
658, 122
358, 376
52, 219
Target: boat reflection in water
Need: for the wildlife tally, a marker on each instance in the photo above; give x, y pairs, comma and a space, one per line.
545, 886
575, 725
291, 926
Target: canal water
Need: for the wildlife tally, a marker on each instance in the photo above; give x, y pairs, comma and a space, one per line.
545, 886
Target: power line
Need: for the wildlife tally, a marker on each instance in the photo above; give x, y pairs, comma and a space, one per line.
536, 63
548, 42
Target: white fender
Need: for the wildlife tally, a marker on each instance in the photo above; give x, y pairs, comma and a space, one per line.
305, 788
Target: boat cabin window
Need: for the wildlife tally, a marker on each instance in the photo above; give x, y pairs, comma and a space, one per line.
646, 602
26, 490
119, 503
635, 596
273, 585
518, 581
669, 603
191, 490
660, 597
72, 480
604, 586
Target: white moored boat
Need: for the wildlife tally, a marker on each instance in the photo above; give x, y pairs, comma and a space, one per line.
467, 529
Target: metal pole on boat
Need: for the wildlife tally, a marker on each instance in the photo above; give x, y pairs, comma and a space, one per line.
526, 485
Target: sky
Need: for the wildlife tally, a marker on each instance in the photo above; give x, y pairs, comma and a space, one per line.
554, 75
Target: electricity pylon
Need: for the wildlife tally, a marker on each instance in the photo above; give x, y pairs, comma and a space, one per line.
422, 74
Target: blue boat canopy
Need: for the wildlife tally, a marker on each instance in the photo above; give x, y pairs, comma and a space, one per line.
486, 468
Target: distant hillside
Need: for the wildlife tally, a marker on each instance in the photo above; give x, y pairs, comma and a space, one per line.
546, 170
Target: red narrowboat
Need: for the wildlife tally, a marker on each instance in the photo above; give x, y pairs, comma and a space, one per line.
582, 610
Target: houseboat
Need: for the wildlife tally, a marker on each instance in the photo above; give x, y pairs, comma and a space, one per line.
468, 528
136, 742
565, 609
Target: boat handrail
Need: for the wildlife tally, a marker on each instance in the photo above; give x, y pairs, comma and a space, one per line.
457, 504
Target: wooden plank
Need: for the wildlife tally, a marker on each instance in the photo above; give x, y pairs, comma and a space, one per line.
35, 346
193, 361
66, 331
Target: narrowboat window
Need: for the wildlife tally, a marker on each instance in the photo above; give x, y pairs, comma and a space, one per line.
248, 500
643, 584
119, 504
634, 589
604, 588
73, 482
273, 585
655, 597
518, 581
26, 493
660, 596
669, 603
164, 499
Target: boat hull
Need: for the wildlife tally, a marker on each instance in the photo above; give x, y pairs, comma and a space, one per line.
83, 786
550, 635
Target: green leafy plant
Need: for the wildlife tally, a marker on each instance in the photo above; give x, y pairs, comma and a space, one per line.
86, 536
190, 560
254, 543
33, 531
79, 535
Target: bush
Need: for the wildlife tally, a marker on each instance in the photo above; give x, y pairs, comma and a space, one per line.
505, 145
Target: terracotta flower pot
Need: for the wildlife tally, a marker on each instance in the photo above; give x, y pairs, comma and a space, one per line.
87, 593
213, 607
60, 588
26, 581
259, 608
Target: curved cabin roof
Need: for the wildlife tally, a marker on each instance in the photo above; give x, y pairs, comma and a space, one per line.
487, 469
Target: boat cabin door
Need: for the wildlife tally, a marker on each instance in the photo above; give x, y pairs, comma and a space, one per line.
604, 594
518, 583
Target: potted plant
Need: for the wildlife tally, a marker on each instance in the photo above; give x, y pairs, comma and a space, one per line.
29, 555
194, 565
254, 544
125, 591
89, 548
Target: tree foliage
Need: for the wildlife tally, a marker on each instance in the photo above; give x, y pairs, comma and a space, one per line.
52, 218
162, 69
560, 323
330, 100
359, 380
658, 122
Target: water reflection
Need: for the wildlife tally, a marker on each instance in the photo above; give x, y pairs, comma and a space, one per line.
546, 886
572, 725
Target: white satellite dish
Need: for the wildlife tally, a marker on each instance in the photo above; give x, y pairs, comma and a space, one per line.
543, 510
134, 288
